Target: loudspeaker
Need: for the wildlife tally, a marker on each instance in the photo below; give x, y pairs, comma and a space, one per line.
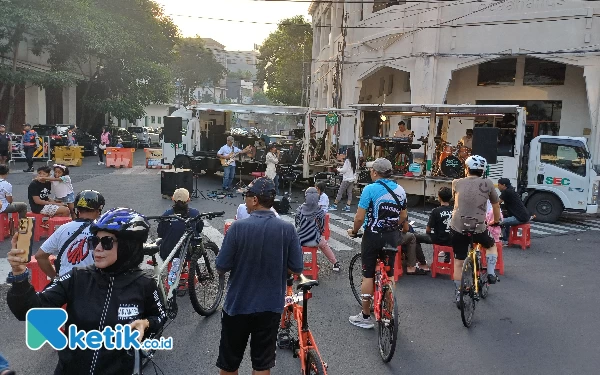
485, 143
371, 125
173, 179
172, 129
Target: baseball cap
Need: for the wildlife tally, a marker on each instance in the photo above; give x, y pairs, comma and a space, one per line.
380, 165
181, 195
504, 181
27, 124
262, 187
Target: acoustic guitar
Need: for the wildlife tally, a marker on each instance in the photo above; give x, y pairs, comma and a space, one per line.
226, 162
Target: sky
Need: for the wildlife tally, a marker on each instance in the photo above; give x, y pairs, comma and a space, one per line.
234, 36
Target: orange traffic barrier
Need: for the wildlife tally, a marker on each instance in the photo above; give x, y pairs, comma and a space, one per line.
119, 157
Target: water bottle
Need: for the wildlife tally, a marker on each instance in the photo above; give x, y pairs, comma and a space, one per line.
173, 272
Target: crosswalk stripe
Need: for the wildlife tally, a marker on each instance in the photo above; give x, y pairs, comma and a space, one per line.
213, 234
559, 228
536, 231
419, 214
336, 217
592, 223
333, 243
421, 222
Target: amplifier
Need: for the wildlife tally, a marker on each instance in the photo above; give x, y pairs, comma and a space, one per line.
173, 179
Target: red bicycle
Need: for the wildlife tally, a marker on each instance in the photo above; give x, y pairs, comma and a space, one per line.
304, 345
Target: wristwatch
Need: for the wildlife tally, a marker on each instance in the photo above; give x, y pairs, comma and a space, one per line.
11, 279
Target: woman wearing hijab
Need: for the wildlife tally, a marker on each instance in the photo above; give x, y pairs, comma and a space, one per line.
310, 224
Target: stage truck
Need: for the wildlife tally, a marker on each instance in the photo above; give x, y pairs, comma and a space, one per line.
553, 174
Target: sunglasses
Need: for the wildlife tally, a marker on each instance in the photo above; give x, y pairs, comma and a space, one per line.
107, 242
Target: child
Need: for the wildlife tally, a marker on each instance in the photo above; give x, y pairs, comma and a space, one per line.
38, 193
323, 198
62, 187
310, 224
348, 172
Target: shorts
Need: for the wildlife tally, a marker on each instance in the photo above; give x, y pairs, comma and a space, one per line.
370, 250
461, 242
4, 152
49, 210
70, 198
262, 327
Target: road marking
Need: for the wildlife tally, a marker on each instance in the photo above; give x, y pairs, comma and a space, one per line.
338, 246
213, 234
333, 243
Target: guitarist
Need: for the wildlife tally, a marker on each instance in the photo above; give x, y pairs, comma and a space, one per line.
227, 154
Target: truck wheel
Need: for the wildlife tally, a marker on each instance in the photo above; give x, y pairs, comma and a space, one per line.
182, 162
413, 200
546, 207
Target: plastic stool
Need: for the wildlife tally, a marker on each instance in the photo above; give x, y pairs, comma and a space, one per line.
227, 225
441, 267
56, 222
5, 225
39, 280
499, 262
257, 174
327, 232
524, 240
38, 230
311, 269
398, 271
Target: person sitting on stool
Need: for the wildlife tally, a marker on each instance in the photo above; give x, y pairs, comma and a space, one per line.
229, 151
439, 221
517, 213
402, 132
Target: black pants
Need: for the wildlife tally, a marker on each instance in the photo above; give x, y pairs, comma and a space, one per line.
101, 155
29, 156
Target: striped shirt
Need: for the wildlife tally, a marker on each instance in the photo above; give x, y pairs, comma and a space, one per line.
310, 228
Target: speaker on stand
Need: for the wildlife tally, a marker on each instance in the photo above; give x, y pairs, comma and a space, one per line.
485, 143
172, 129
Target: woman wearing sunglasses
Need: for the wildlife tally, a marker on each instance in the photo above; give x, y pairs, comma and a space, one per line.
112, 291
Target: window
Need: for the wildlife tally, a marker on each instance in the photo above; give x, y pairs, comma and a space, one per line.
153, 119
570, 155
390, 87
500, 72
381, 86
541, 73
159, 119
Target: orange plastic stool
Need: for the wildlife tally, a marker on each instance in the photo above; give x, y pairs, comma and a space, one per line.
56, 222
327, 232
5, 224
39, 280
311, 269
499, 262
227, 225
524, 240
39, 231
398, 271
441, 267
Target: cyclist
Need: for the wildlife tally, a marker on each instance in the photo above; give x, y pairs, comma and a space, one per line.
113, 291
471, 195
382, 212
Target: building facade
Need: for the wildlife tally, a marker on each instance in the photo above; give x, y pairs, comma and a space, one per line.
541, 54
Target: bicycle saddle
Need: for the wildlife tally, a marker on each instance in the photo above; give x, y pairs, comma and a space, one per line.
152, 247
305, 283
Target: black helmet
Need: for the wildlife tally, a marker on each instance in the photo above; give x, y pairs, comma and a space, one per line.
89, 200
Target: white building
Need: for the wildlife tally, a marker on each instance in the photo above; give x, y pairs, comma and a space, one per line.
244, 61
542, 54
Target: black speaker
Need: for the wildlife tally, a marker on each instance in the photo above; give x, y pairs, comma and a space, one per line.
173, 179
172, 129
485, 143
371, 125
167, 182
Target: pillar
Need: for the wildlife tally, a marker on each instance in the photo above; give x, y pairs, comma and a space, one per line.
69, 100
35, 105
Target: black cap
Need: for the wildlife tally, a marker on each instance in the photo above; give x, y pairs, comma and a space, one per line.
504, 181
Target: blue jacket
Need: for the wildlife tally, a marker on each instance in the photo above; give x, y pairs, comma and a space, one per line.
171, 232
30, 137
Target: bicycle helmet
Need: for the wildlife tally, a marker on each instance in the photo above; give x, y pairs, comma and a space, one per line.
476, 162
124, 223
89, 200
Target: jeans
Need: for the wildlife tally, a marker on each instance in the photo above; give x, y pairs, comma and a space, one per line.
276, 182
29, 156
345, 187
509, 222
3, 363
228, 176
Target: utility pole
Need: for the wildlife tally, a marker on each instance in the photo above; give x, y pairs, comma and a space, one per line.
302, 95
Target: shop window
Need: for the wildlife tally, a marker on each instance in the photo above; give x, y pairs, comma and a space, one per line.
159, 119
543, 73
571, 157
153, 119
500, 72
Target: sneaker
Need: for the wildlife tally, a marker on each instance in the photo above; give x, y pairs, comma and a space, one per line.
336, 267
347, 208
333, 207
361, 322
492, 278
457, 298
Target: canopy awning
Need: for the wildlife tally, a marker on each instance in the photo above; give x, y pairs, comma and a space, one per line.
475, 110
244, 108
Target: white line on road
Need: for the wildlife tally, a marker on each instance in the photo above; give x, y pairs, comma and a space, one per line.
213, 234
336, 245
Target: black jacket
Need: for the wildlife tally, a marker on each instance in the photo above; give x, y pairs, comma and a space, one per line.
93, 302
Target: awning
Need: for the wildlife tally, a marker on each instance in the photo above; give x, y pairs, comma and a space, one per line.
439, 108
259, 109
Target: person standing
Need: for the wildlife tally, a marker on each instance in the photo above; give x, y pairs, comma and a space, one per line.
6, 197
348, 172
517, 213
272, 159
30, 143
227, 154
71, 136
5, 145
259, 252
105, 140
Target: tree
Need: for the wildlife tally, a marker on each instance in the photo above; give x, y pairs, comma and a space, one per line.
261, 99
207, 98
281, 60
245, 75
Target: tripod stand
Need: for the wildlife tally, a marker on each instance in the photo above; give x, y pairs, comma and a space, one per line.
197, 193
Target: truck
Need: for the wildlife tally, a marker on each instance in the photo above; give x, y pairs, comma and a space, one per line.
552, 174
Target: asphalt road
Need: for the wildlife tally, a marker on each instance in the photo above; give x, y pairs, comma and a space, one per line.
540, 319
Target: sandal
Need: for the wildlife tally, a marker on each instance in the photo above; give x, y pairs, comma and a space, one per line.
418, 271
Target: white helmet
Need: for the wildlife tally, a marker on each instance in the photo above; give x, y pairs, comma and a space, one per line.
476, 162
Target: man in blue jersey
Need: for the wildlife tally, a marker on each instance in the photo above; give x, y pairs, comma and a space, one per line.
381, 212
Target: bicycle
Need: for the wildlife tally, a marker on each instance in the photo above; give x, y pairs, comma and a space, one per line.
304, 347
383, 301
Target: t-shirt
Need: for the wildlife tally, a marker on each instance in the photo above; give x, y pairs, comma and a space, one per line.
39, 189
258, 251
467, 142
226, 150
470, 201
439, 222
324, 202
4, 139
400, 134
242, 213
383, 213
77, 253
63, 187
5, 191
514, 205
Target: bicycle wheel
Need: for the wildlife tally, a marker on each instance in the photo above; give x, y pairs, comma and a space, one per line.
467, 293
355, 275
204, 283
388, 324
314, 365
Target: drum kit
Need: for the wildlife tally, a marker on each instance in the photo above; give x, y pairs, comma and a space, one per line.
451, 159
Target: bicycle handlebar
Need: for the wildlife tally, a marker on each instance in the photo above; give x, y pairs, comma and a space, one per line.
207, 215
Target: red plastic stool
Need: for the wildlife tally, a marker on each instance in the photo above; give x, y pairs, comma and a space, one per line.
398, 271
56, 222
39, 231
311, 269
227, 225
524, 240
499, 262
257, 174
5, 224
442, 267
39, 280
327, 232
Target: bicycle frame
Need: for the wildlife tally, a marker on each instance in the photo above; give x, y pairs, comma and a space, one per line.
381, 279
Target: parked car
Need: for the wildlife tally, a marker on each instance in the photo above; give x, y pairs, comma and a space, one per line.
154, 135
82, 138
129, 140
146, 136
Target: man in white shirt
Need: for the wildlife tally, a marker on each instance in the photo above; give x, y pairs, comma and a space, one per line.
242, 212
402, 132
69, 244
467, 140
6, 198
227, 154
